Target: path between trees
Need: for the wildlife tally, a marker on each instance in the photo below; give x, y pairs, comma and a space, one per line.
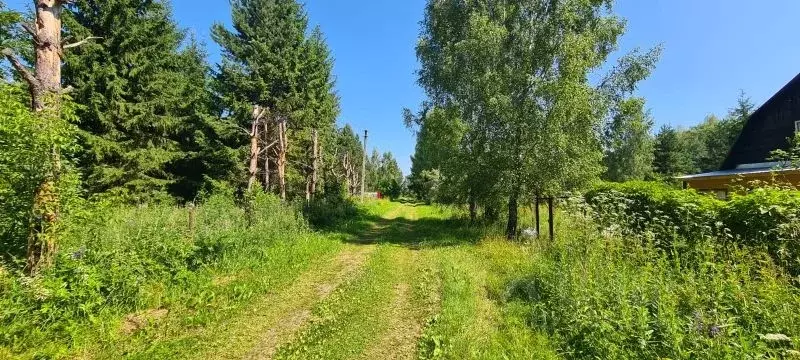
374, 299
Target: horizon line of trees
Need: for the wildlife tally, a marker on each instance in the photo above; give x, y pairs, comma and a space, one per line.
511, 113
124, 105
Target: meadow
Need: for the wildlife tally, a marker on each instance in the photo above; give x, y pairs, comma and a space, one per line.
396, 280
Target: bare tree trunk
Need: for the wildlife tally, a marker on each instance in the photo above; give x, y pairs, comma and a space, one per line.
283, 148
314, 163
255, 150
265, 139
473, 209
511, 229
347, 175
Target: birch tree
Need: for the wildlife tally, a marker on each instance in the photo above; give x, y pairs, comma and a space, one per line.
518, 73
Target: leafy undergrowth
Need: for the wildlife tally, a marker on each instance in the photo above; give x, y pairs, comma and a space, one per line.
600, 295
463, 292
128, 275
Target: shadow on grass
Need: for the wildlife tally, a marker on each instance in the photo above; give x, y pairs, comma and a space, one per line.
412, 233
409, 202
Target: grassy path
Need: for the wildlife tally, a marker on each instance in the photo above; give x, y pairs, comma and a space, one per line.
409, 282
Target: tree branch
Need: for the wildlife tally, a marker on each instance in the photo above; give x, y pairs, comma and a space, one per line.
23, 71
79, 43
268, 147
30, 30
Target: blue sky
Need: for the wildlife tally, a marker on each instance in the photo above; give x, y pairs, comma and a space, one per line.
712, 49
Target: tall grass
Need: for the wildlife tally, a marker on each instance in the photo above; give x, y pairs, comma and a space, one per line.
194, 263
603, 295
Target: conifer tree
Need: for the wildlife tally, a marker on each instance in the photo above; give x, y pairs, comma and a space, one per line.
145, 114
268, 61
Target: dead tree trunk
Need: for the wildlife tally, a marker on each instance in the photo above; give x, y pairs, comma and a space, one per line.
473, 208
44, 84
283, 148
347, 176
314, 177
265, 139
255, 150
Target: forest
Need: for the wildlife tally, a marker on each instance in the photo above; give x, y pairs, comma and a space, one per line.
156, 205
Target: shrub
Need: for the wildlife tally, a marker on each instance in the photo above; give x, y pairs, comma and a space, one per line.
602, 297
672, 216
770, 218
330, 209
117, 259
766, 218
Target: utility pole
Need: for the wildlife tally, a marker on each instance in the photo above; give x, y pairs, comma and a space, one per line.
364, 168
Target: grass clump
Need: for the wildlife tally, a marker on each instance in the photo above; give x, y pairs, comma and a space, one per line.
600, 295
192, 263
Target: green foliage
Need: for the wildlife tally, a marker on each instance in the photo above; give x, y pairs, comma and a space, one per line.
767, 218
629, 147
426, 185
147, 124
10, 36
116, 260
670, 158
671, 215
701, 148
384, 174
26, 140
272, 59
332, 208
516, 75
764, 218
789, 158
601, 296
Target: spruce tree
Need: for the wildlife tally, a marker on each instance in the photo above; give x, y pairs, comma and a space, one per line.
268, 61
145, 114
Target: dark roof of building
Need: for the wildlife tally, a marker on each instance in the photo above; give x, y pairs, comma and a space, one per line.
734, 172
768, 128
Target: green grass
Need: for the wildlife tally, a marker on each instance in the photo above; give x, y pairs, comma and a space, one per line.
143, 259
398, 278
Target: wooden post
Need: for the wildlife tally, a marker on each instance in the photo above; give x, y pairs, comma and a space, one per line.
191, 208
364, 168
550, 219
536, 211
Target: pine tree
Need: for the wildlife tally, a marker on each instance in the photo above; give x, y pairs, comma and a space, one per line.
145, 113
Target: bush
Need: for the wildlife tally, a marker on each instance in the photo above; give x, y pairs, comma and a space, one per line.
770, 218
115, 260
672, 216
767, 218
600, 296
331, 208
